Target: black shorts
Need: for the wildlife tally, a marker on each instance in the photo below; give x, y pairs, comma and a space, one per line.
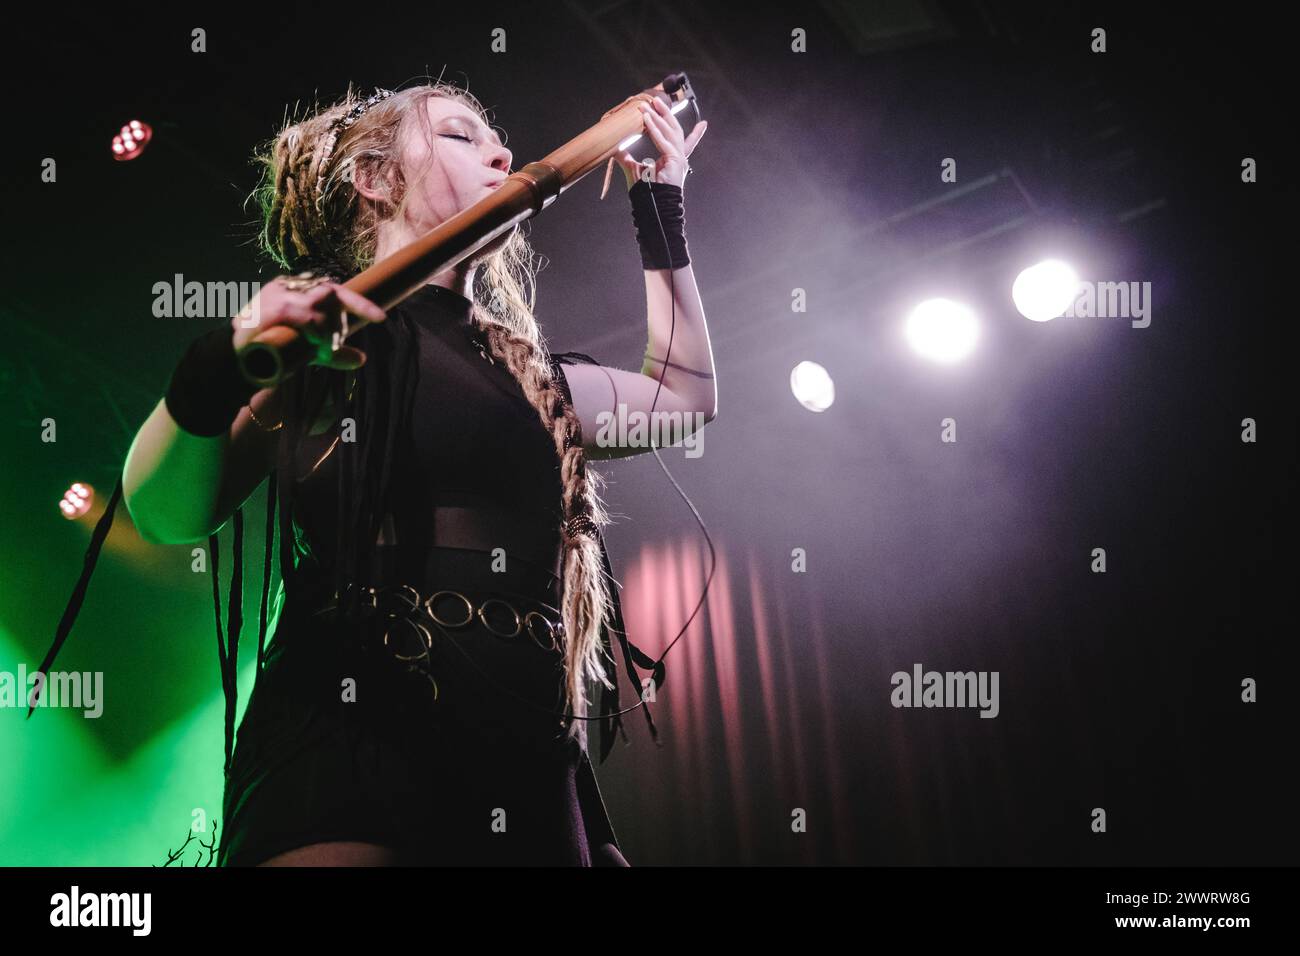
470, 779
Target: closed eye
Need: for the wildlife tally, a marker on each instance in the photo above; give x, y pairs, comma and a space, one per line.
457, 136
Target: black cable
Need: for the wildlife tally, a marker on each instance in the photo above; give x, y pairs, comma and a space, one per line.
713, 556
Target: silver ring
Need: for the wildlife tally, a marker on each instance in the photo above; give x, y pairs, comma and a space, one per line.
419, 628
482, 616
469, 609
553, 630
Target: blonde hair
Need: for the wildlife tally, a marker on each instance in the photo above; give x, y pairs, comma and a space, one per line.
336, 233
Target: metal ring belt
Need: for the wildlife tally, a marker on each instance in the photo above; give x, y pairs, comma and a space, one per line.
546, 632
403, 605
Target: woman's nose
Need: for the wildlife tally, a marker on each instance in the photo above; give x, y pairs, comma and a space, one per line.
501, 159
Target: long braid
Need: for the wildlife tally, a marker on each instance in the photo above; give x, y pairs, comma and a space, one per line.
586, 601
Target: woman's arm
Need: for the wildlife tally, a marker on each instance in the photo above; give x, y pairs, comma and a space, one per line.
678, 378
687, 370
689, 386
179, 486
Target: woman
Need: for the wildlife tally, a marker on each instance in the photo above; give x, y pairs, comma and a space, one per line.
445, 585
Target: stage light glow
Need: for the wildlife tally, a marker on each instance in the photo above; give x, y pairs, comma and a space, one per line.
942, 330
1043, 291
76, 500
812, 386
131, 140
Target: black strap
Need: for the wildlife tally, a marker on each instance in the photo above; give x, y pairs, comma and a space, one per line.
595, 818
633, 657
73, 607
228, 650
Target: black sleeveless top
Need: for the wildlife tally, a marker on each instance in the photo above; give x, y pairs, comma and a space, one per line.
472, 440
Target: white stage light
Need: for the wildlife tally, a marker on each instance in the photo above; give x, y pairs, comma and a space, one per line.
812, 386
942, 330
1042, 292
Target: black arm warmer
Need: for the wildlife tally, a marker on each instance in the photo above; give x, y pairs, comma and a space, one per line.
207, 389
667, 198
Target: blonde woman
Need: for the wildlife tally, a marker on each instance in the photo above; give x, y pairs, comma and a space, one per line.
444, 585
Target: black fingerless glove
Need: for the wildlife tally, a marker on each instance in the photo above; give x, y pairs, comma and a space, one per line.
207, 389
646, 197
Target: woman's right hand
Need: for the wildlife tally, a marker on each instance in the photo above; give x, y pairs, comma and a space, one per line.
316, 312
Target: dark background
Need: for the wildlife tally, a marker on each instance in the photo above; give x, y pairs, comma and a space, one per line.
819, 171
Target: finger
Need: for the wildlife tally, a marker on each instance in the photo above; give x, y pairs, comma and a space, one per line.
359, 305
317, 310
316, 293
309, 322
696, 135
666, 112
328, 308
671, 129
625, 161
657, 135
631, 170
627, 164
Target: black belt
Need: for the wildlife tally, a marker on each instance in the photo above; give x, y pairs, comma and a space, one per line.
477, 528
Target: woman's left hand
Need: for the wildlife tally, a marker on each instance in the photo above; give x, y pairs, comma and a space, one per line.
673, 145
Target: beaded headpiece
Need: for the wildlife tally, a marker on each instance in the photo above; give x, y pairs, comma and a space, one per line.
336, 130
